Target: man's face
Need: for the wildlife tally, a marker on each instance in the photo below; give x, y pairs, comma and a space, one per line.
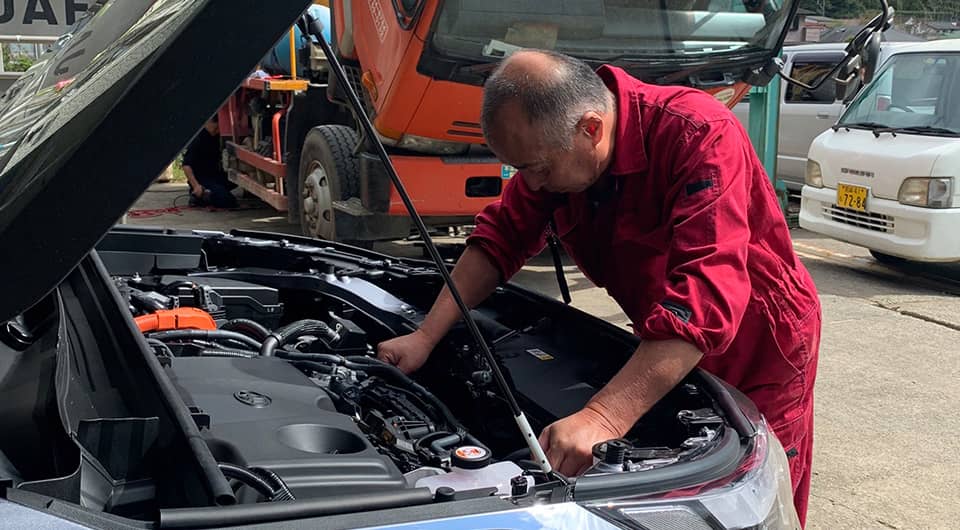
541, 164
212, 127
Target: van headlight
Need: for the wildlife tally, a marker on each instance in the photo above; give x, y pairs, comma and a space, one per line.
813, 177
759, 496
927, 192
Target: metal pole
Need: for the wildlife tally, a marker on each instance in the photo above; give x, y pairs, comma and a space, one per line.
367, 126
1, 59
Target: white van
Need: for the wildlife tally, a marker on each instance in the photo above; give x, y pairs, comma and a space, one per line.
885, 176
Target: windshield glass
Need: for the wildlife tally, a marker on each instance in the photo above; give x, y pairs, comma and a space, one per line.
605, 29
912, 90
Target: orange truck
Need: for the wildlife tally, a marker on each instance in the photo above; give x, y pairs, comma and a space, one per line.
292, 140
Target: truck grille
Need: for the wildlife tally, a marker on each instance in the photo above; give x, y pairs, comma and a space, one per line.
867, 220
353, 75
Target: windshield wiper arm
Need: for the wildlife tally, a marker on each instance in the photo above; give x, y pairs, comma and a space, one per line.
920, 129
869, 125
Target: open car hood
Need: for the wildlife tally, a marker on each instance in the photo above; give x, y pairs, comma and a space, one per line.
87, 129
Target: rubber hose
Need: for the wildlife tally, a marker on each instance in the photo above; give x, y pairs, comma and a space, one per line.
283, 493
172, 286
248, 477
316, 366
326, 358
235, 345
144, 302
247, 327
227, 353
444, 444
293, 330
212, 335
160, 344
367, 363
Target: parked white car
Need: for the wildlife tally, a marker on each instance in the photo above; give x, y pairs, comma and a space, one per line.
885, 176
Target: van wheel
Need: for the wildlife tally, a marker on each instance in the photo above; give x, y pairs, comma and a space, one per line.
328, 172
887, 259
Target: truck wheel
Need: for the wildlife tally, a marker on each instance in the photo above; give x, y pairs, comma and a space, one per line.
328, 172
887, 259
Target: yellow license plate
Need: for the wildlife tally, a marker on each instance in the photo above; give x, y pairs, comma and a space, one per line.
852, 197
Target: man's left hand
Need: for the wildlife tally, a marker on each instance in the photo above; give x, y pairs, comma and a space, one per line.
569, 442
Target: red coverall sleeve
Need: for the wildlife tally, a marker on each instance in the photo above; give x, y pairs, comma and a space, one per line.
707, 285
512, 230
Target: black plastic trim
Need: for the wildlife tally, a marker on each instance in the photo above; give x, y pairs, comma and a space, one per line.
282, 511
718, 463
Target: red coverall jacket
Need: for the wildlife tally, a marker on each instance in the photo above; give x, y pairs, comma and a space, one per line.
692, 245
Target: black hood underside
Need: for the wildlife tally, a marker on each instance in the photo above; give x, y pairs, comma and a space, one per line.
89, 128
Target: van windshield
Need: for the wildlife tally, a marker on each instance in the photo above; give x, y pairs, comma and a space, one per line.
915, 93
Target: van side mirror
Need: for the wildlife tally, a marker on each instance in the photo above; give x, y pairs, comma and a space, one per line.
869, 57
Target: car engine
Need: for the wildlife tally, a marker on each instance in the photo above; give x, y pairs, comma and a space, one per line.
279, 371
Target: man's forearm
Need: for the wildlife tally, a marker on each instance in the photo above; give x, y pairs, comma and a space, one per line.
191, 178
653, 370
475, 277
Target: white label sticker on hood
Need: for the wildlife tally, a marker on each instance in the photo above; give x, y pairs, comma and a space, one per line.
540, 354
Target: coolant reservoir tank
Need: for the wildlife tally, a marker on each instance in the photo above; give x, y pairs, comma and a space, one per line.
472, 470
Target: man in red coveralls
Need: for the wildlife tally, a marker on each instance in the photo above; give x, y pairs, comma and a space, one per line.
658, 196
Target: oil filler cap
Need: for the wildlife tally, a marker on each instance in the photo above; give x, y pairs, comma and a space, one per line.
470, 457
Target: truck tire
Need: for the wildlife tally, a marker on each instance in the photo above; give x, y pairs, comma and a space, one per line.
328, 172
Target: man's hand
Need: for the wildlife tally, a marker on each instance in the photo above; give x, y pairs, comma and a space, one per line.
569, 442
408, 353
197, 191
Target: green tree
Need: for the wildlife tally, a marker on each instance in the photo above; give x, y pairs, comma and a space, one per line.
15, 62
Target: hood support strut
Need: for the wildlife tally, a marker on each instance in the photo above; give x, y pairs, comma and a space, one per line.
529, 436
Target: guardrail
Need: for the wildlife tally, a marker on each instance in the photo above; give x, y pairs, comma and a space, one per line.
8, 78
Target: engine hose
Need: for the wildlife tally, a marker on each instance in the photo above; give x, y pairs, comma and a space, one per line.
283, 493
249, 478
230, 344
227, 353
211, 335
145, 303
161, 345
444, 444
316, 366
372, 364
172, 286
293, 330
247, 327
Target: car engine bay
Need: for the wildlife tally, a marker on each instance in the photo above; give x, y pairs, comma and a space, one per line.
271, 346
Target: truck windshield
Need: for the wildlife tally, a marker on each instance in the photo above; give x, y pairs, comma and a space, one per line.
608, 29
913, 93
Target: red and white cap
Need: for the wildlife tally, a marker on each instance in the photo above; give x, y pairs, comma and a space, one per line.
470, 457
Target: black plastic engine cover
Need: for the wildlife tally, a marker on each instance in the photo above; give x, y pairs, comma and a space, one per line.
235, 298
264, 412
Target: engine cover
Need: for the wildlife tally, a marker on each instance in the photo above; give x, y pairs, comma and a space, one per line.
264, 412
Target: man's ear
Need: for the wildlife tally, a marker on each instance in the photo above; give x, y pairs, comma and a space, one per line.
591, 124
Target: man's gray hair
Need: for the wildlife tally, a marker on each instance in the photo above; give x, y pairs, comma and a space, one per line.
554, 102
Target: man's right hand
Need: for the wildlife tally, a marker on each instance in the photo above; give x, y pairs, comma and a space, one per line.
408, 352
197, 191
